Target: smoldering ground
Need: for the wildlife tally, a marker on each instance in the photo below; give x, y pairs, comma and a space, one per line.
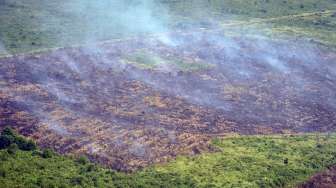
252, 86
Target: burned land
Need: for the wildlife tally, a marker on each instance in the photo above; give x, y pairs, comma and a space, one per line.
132, 103
325, 179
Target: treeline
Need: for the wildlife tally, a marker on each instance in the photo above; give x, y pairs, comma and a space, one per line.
11, 140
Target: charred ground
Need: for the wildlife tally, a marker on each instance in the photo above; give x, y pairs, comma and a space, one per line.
103, 104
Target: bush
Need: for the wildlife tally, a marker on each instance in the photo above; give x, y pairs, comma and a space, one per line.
8, 136
79, 180
4, 156
24, 144
6, 141
12, 149
46, 183
31, 145
3, 173
37, 153
91, 168
47, 153
83, 160
8, 131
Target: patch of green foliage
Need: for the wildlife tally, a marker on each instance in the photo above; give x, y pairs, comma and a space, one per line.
145, 61
242, 161
8, 137
154, 62
258, 161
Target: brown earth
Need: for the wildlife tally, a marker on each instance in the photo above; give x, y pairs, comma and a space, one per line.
326, 179
86, 101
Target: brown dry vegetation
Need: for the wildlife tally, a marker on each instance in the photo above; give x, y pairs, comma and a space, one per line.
326, 179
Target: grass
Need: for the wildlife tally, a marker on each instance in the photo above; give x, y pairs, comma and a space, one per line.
250, 9
152, 61
145, 61
320, 28
26, 27
241, 161
257, 161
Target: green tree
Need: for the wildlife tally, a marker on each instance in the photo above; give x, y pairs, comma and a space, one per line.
5, 141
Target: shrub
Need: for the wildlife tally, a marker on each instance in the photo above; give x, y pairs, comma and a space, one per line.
83, 160
28, 145
91, 168
2, 173
8, 136
12, 149
79, 180
37, 153
8, 131
46, 183
24, 144
4, 156
5, 141
47, 153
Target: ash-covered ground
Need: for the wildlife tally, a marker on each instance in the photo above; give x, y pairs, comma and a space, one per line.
132, 103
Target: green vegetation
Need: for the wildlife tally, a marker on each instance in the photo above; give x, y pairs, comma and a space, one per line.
258, 161
37, 25
152, 61
318, 27
241, 161
252, 8
145, 61
8, 138
309, 19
